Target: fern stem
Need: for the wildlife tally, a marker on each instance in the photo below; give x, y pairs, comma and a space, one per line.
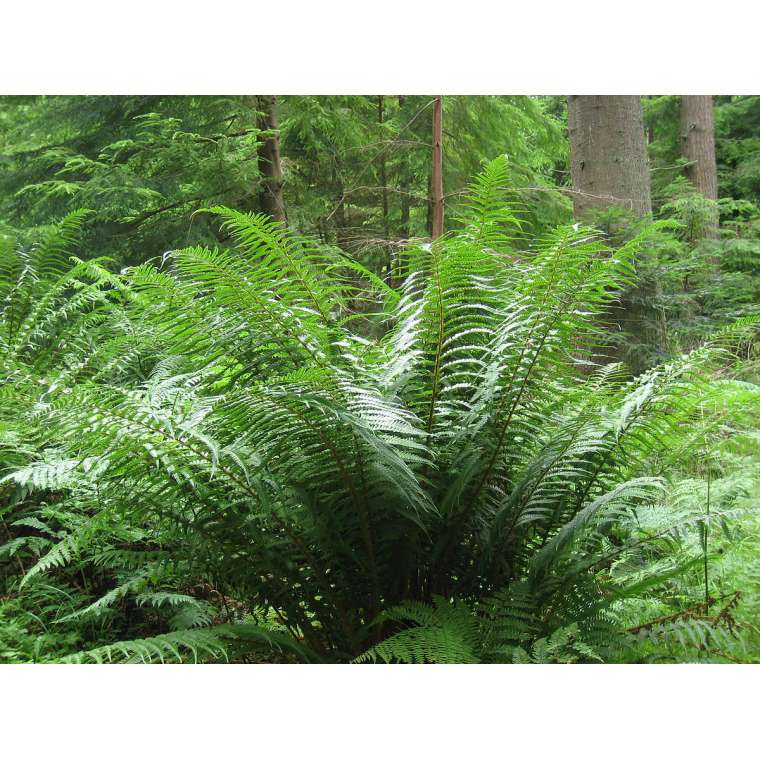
704, 547
439, 344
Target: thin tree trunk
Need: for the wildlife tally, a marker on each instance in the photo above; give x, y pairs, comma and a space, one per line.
270, 166
404, 184
341, 222
383, 168
608, 153
436, 190
429, 210
384, 185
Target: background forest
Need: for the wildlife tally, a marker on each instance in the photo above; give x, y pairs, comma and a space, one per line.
379, 378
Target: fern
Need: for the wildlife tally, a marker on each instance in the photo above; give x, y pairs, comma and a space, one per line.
176, 646
444, 633
209, 436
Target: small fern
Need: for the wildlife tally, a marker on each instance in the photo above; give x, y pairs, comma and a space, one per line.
443, 633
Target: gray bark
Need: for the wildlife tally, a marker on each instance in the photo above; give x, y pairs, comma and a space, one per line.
698, 143
610, 168
608, 153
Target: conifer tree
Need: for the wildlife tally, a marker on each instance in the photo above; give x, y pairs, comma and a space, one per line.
436, 182
610, 170
608, 154
270, 167
698, 148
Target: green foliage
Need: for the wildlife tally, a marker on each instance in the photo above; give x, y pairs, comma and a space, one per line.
205, 442
356, 168
444, 633
695, 214
144, 162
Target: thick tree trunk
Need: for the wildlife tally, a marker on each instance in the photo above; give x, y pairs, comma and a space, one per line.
608, 153
609, 167
270, 166
698, 143
436, 190
698, 148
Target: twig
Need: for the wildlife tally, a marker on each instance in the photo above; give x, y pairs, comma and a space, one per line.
695, 612
378, 154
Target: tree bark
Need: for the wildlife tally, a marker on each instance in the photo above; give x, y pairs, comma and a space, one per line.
608, 153
429, 210
436, 190
270, 166
384, 185
404, 184
698, 143
610, 168
383, 168
342, 231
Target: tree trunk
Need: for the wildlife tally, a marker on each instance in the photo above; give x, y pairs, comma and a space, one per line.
404, 184
436, 190
341, 222
270, 167
608, 153
429, 210
698, 148
698, 143
383, 168
650, 128
609, 168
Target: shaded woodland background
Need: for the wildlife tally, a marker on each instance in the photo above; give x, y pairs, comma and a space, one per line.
356, 171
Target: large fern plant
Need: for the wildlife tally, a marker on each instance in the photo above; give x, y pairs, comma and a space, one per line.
221, 404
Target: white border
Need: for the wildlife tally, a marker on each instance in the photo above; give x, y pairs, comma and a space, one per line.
405, 46
372, 46
385, 712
